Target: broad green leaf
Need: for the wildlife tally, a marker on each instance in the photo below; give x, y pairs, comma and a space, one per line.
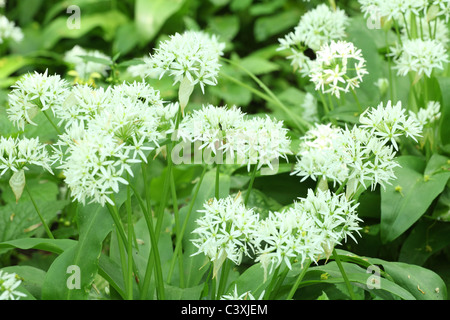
108, 21
95, 223
422, 283
258, 66
427, 238
444, 128
150, 16
268, 26
12, 63
57, 246
409, 196
175, 293
224, 26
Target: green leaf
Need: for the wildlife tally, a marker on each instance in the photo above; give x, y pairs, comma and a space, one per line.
266, 27
423, 283
444, 128
151, 15
95, 223
175, 293
258, 66
409, 196
108, 21
57, 246
427, 238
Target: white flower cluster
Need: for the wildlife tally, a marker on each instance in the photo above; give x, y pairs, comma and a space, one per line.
109, 130
226, 230
85, 69
193, 55
2, 3
8, 285
359, 157
316, 27
9, 31
389, 122
33, 93
17, 153
308, 230
421, 56
339, 67
393, 9
309, 107
250, 141
427, 115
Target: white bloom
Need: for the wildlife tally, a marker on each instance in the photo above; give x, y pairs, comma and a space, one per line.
35, 92
334, 216
390, 122
225, 230
421, 56
9, 31
427, 115
8, 285
316, 27
339, 67
2, 3
193, 55
16, 154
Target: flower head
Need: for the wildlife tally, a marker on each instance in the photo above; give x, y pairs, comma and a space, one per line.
33, 93
193, 55
9, 31
339, 67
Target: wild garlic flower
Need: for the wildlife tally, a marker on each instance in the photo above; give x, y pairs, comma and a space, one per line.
444, 8
9, 31
9, 282
285, 236
33, 93
193, 55
2, 3
213, 127
420, 56
234, 295
83, 104
86, 70
351, 158
338, 68
427, 115
390, 122
333, 215
98, 150
226, 131
266, 140
17, 153
225, 230
316, 27
393, 9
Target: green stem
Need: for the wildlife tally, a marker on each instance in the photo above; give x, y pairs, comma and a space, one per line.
299, 279
183, 228
154, 257
271, 284
130, 242
216, 190
47, 229
357, 100
177, 227
250, 186
299, 122
344, 275
223, 278
51, 122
